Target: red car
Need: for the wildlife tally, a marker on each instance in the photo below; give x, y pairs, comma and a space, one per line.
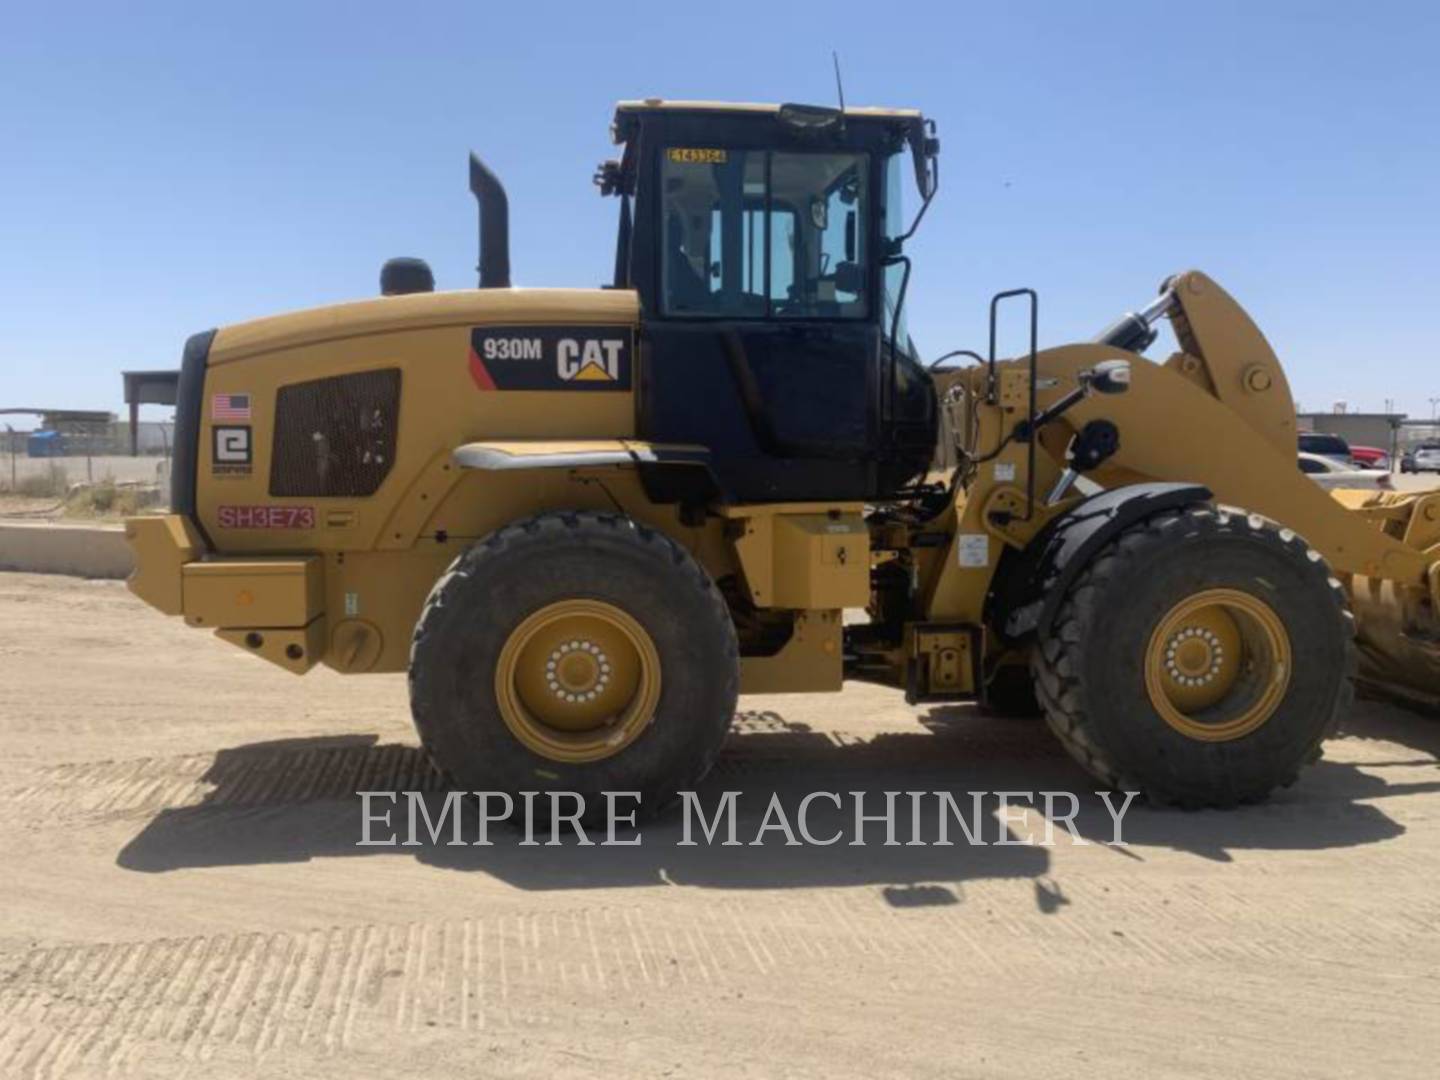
1369, 457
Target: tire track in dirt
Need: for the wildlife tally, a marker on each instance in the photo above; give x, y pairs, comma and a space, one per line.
102, 1007
228, 779
106, 1006
342, 765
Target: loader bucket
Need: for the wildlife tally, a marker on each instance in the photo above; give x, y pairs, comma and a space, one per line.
1398, 623
1399, 639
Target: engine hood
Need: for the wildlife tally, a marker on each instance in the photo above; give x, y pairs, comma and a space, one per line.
470, 307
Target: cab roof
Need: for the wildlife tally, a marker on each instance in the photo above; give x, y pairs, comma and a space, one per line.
662, 104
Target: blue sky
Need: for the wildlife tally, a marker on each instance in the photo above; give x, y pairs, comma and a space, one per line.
168, 168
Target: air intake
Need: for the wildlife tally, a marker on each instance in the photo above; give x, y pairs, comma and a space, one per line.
405, 275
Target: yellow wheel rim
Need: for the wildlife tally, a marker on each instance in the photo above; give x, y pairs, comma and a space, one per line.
578, 680
1218, 665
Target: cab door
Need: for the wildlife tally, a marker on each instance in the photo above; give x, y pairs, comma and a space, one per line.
762, 341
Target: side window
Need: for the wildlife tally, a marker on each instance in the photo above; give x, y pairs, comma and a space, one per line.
751, 233
782, 253
713, 232
825, 198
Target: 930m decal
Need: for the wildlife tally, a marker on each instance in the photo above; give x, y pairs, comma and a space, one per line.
550, 357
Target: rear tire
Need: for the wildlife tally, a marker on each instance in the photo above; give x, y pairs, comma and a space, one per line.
1106, 672
493, 724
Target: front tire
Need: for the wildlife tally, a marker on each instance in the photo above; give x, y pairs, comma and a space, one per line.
577, 652
1011, 693
1201, 658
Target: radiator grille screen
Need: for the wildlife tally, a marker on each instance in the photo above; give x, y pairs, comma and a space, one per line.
335, 436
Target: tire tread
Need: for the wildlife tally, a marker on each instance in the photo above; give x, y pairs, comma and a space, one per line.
1057, 665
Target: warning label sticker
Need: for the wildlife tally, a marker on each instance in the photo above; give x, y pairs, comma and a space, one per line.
973, 549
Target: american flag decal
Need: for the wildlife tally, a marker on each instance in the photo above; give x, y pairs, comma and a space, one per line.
230, 407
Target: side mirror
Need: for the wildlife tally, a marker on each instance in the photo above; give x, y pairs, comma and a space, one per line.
924, 149
1110, 377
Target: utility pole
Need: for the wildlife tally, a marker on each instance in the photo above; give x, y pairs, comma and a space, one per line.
1434, 401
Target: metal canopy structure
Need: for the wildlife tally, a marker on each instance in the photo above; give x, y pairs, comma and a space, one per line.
147, 388
53, 417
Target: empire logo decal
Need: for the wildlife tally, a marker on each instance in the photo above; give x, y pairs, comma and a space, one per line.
550, 357
231, 453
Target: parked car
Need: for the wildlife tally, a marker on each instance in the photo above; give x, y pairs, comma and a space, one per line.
1370, 457
1329, 473
1326, 445
1407, 459
1426, 459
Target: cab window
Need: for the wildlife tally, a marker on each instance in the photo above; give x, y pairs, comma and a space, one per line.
764, 234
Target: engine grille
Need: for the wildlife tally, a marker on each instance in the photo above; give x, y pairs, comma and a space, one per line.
335, 436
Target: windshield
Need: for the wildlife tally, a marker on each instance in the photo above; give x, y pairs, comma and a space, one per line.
765, 234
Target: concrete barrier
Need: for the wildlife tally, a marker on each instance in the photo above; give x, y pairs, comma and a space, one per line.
92, 551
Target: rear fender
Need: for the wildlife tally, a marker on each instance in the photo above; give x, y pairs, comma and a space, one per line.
670, 473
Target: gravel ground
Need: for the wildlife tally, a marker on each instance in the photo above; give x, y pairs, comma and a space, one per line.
184, 896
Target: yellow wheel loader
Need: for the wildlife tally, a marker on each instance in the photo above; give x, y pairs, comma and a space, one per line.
585, 520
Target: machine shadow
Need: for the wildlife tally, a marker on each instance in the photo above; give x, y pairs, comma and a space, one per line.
1396, 721
293, 801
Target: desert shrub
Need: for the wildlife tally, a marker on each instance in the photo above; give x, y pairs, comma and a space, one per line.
103, 499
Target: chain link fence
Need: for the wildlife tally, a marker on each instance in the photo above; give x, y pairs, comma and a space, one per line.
94, 484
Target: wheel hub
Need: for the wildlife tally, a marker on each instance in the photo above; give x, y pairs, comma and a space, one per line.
1195, 657
578, 680
578, 671
1218, 665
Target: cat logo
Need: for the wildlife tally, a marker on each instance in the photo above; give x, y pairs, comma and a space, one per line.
569, 358
594, 360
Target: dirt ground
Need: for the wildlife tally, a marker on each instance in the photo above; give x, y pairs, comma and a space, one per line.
182, 896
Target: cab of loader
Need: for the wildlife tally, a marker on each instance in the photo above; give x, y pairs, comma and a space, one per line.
766, 246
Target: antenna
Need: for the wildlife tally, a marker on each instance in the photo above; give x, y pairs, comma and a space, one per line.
839, 86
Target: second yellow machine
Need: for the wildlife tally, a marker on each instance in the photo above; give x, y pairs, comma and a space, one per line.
585, 520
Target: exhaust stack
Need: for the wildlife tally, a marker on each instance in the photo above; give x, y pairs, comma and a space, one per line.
489, 193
